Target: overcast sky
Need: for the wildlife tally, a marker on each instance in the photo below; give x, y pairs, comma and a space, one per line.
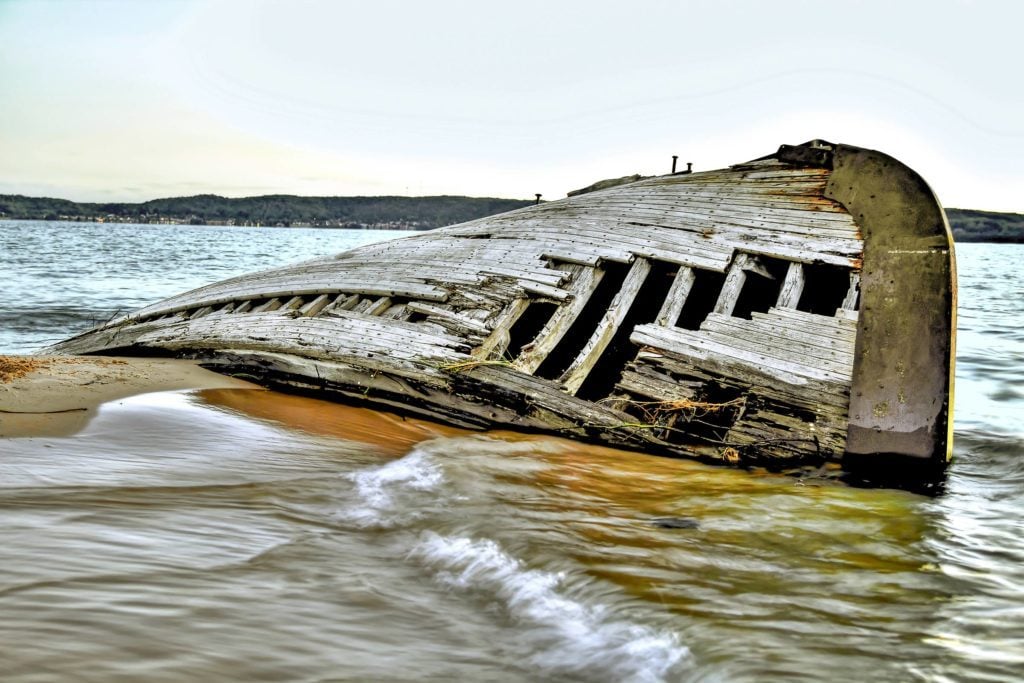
143, 99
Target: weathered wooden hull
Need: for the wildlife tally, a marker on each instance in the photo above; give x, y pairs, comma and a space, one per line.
797, 308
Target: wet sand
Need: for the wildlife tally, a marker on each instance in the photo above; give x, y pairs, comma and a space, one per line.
58, 395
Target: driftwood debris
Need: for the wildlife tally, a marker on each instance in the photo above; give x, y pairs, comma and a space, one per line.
722, 314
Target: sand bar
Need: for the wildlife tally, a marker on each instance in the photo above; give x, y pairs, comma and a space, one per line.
58, 395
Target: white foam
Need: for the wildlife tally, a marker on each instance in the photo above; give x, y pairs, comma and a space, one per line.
384, 492
558, 634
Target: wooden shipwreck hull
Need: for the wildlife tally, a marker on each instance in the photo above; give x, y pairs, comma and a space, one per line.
797, 308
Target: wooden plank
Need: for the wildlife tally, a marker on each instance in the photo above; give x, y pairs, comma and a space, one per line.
620, 234
686, 343
794, 221
379, 306
853, 293
225, 309
675, 300
271, 305
619, 242
580, 368
361, 306
496, 344
735, 278
568, 256
346, 334
786, 385
292, 304
443, 313
724, 207
811, 321
789, 352
344, 302
803, 252
544, 291
547, 395
838, 346
711, 199
222, 295
695, 227
582, 286
809, 395
655, 386
316, 305
792, 286
397, 312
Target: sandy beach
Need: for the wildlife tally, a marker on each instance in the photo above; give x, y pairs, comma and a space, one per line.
58, 395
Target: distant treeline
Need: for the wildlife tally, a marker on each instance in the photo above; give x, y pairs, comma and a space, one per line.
411, 213
986, 226
408, 213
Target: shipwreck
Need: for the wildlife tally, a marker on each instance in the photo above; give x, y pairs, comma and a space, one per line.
793, 310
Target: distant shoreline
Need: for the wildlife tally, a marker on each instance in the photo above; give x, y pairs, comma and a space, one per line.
371, 213
219, 224
361, 213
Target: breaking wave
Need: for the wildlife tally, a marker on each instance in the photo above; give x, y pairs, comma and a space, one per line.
391, 495
557, 633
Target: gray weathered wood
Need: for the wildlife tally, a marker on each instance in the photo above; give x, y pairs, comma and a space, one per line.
675, 300
585, 281
580, 368
792, 287
316, 305
735, 278
853, 293
271, 305
496, 345
445, 314
341, 324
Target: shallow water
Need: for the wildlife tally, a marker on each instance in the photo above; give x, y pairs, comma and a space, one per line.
61, 277
247, 535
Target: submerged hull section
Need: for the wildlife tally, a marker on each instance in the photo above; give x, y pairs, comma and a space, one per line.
793, 309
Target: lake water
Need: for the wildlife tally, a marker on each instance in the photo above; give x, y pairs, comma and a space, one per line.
241, 535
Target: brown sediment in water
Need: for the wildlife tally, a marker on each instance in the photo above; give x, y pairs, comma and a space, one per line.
58, 395
393, 433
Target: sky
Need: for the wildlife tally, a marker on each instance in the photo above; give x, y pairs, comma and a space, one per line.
139, 99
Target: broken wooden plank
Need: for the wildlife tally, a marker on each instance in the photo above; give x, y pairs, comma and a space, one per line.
792, 287
269, 305
445, 314
853, 293
316, 305
585, 280
735, 278
785, 336
496, 345
343, 302
574, 376
675, 300
685, 343
292, 304
205, 310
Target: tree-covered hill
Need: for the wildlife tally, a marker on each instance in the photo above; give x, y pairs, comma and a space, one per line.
416, 213
411, 213
986, 226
